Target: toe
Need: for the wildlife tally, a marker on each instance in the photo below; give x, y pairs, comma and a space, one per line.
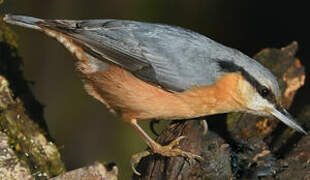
135, 159
176, 141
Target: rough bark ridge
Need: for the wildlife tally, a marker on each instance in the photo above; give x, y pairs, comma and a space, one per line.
239, 146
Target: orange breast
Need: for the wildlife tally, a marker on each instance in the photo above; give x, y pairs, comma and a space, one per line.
134, 98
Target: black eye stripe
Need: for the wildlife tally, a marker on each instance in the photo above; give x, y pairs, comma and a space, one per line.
228, 66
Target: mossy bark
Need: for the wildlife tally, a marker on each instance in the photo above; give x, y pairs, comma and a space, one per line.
32, 149
26, 149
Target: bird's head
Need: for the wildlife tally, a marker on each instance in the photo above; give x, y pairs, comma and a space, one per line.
260, 91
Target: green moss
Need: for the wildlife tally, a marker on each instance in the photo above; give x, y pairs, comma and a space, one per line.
28, 142
232, 119
6, 34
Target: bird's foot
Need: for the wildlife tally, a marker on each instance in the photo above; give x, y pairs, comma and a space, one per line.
168, 150
135, 159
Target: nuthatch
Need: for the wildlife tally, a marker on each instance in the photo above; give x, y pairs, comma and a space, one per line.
149, 71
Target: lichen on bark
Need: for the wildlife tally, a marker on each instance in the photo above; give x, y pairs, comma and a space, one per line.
24, 136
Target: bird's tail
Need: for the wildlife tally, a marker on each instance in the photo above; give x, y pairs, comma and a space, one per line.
24, 21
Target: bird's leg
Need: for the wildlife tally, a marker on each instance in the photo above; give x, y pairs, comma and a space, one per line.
168, 150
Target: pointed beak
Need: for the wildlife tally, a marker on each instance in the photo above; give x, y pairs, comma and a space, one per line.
286, 118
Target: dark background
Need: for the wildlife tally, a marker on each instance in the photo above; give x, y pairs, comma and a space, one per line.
81, 126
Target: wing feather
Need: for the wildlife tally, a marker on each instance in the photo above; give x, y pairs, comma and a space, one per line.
171, 57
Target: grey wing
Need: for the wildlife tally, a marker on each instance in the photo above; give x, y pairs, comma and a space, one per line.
172, 57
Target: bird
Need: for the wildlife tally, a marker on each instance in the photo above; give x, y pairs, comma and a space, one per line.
152, 71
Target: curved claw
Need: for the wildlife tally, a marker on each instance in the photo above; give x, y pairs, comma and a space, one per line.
135, 159
152, 127
204, 125
176, 141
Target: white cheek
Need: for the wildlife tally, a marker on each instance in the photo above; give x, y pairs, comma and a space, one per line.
258, 104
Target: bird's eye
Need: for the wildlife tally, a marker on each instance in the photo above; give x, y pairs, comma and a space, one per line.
264, 92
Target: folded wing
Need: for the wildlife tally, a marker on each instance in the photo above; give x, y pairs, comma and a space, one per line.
171, 57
